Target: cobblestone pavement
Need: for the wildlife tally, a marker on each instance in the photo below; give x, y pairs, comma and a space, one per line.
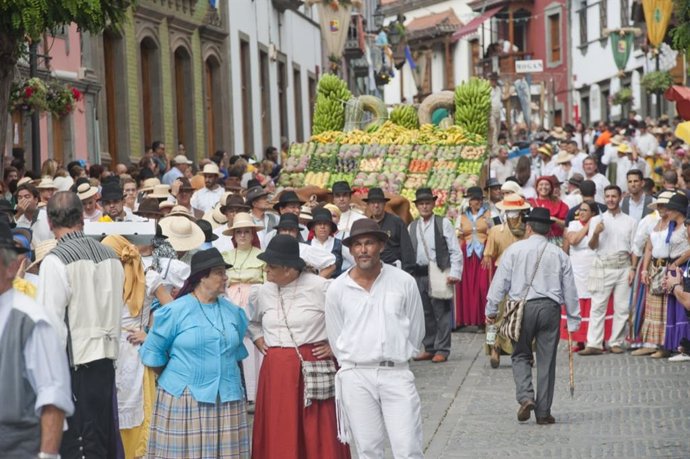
624, 406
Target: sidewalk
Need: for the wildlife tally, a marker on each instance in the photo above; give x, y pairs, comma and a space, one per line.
624, 406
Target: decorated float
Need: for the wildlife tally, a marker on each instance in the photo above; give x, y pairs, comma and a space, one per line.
359, 141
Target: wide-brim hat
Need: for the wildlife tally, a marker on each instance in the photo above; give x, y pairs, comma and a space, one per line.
362, 227
42, 249
624, 148
576, 179
512, 201
206, 227
678, 202
341, 187
424, 194
233, 201
242, 220
149, 207
183, 234
149, 183
160, 192
47, 183
564, 157
287, 197
207, 259
211, 169
215, 217
305, 213
474, 192
255, 193
376, 194
182, 159
539, 215
283, 250
492, 183
558, 133
661, 199
546, 149
322, 215
112, 192
185, 185
288, 221
512, 187
181, 211
617, 140
86, 191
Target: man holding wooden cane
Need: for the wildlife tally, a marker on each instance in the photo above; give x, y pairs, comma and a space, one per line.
540, 274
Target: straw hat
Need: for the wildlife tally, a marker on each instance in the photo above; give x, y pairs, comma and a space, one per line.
183, 234
166, 205
24, 181
512, 187
86, 191
215, 217
512, 202
617, 139
546, 149
662, 198
564, 157
242, 220
211, 169
63, 183
305, 213
333, 209
47, 184
149, 183
160, 192
624, 148
181, 211
42, 249
181, 159
558, 133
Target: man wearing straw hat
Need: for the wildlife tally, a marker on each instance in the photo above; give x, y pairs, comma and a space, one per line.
80, 284
541, 274
207, 197
34, 376
180, 165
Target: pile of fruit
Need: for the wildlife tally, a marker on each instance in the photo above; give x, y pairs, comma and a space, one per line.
473, 106
371, 164
323, 158
391, 134
320, 179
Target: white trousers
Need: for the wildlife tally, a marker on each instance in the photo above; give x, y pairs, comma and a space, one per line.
380, 400
616, 281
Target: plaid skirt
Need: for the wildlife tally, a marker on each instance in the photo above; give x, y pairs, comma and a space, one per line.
654, 326
184, 428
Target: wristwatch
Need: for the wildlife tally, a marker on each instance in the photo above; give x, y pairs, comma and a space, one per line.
43, 455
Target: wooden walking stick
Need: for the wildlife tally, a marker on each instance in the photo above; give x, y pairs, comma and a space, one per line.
571, 365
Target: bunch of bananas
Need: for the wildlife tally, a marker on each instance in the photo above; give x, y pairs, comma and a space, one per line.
473, 106
390, 133
405, 116
329, 109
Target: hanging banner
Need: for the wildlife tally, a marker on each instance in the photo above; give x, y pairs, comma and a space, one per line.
621, 44
334, 17
657, 14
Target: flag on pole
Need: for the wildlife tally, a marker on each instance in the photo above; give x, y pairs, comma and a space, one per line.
410, 60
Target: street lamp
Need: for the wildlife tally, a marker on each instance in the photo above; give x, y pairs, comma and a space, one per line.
394, 33
379, 17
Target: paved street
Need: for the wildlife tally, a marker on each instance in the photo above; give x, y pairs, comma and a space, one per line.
624, 406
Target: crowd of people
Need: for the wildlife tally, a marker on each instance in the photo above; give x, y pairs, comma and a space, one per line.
306, 309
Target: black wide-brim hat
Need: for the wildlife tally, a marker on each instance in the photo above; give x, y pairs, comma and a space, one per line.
679, 203
287, 197
492, 183
362, 227
288, 221
424, 194
341, 187
207, 259
283, 250
376, 194
539, 215
322, 215
206, 227
474, 192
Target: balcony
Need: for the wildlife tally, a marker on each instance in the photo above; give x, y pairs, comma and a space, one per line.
284, 5
503, 64
354, 44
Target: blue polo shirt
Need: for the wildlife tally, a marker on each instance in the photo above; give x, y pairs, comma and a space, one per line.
194, 352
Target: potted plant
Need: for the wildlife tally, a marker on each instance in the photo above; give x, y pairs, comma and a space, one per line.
656, 82
622, 97
28, 95
61, 99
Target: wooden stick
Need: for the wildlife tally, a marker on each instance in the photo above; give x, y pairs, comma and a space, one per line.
571, 365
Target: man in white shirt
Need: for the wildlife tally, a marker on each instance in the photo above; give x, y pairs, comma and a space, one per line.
592, 173
628, 160
611, 236
342, 195
434, 241
375, 325
501, 167
206, 198
645, 142
636, 203
181, 164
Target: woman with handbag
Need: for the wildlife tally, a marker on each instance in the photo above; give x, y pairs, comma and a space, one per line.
195, 344
295, 418
667, 246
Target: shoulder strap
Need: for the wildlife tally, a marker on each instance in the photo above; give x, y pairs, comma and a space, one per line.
292, 337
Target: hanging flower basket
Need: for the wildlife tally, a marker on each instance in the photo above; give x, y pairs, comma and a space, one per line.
28, 96
622, 97
656, 82
62, 99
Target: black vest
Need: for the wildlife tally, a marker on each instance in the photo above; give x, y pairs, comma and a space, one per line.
442, 254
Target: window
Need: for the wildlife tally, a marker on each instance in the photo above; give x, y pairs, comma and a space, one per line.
625, 13
311, 86
297, 94
214, 114
265, 87
475, 56
282, 96
184, 99
149, 55
245, 79
603, 18
554, 28
582, 15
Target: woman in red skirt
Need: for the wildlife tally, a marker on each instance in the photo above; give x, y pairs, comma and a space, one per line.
470, 293
287, 318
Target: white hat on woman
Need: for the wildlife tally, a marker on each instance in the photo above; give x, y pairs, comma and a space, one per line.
183, 234
242, 220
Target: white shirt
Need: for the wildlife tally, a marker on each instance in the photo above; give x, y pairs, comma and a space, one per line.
646, 144
601, 182
625, 165
223, 243
636, 209
40, 230
316, 257
618, 234
303, 301
45, 360
549, 168
573, 199
347, 219
577, 161
384, 323
644, 229
426, 230
205, 199
501, 171
348, 260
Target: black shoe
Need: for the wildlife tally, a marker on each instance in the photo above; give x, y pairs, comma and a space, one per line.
546, 420
525, 410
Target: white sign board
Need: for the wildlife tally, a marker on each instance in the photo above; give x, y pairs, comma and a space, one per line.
532, 66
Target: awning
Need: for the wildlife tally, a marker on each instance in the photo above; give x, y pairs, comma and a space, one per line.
681, 96
474, 24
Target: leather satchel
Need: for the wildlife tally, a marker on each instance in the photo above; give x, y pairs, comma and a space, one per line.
511, 325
